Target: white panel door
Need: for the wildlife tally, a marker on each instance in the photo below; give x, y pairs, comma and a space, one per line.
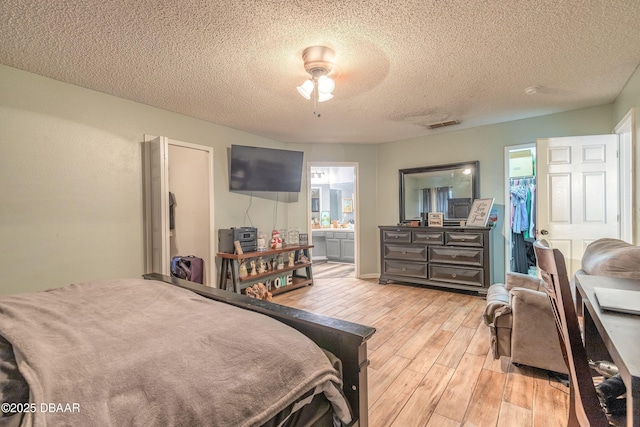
157, 151
577, 193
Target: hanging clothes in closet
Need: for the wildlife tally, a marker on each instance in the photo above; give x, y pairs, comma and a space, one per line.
523, 213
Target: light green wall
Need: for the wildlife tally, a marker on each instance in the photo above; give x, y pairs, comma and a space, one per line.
71, 176
486, 144
630, 98
71, 182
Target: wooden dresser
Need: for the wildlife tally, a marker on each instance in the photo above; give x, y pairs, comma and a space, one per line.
448, 257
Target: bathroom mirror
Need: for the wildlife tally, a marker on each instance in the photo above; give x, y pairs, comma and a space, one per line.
449, 189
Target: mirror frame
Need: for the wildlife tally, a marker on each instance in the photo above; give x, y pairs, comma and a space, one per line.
475, 183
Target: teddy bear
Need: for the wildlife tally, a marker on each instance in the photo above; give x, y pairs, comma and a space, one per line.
276, 240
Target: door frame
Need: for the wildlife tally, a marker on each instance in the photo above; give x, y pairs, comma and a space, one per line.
356, 186
625, 129
507, 200
212, 276
625, 175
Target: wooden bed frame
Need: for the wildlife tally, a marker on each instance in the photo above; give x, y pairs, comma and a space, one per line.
346, 340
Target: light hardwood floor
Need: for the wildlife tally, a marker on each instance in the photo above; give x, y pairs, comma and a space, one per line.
430, 359
333, 270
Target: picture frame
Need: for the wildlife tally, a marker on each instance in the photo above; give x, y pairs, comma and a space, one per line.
238, 247
303, 239
325, 219
347, 205
315, 199
479, 213
435, 219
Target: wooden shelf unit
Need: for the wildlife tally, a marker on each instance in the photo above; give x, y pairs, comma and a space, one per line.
231, 266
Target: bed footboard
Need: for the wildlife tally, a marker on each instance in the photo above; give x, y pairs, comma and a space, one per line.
346, 340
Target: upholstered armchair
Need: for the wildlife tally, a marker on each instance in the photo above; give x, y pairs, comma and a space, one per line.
519, 313
522, 326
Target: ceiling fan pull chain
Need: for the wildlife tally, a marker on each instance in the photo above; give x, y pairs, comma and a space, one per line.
315, 99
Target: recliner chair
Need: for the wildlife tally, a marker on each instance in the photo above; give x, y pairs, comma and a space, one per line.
519, 312
522, 324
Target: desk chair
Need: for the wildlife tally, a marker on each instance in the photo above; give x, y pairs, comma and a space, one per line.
584, 406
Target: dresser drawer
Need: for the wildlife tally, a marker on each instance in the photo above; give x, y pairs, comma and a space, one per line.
429, 237
408, 252
464, 276
464, 239
400, 236
401, 268
451, 255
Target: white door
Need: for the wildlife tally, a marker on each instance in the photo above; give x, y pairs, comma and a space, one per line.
158, 214
577, 193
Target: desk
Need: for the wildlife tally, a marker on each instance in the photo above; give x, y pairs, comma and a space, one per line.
617, 334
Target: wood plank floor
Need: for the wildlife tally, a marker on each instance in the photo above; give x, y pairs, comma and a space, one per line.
430, 359
333, 270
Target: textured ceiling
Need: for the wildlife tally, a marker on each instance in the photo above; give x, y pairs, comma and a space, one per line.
403, 64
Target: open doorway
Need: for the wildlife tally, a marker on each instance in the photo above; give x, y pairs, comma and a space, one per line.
520, 210
333, 216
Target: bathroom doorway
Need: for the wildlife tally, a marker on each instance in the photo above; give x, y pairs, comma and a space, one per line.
333, 218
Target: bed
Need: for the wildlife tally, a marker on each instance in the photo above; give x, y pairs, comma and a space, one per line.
164, 351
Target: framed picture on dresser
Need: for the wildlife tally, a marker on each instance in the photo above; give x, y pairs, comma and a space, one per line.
435, 219
479, 213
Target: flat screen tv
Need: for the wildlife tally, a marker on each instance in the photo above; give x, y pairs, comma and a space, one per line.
265, 169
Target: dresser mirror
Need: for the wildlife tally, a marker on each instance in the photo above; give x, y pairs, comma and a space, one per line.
449, 189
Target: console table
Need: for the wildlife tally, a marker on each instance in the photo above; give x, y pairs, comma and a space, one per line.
230, 269
447, 257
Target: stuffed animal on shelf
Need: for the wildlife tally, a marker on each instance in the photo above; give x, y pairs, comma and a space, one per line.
276, 240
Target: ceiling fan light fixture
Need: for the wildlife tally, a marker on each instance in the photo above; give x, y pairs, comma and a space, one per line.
326, 85
318, 62
324, 97
306, 88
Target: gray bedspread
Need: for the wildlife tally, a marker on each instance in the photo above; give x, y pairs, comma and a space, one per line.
143, 353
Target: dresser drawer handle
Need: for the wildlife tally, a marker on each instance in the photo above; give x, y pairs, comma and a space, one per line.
462, 240
396, 236
404, 268
454, 256
453, 275
404, 252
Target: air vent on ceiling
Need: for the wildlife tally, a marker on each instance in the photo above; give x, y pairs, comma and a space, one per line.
443, 124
